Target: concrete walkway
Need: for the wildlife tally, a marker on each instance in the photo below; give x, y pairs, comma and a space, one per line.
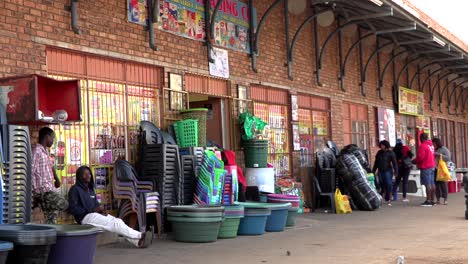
422, 235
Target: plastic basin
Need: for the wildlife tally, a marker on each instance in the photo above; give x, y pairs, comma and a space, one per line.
69, 239
195, 230
254, 220
5, 247
229, 228
31, 243
276, 222
292, 215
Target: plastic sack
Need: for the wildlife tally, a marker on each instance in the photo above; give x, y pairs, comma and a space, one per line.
443, 174
251, 126
342, 204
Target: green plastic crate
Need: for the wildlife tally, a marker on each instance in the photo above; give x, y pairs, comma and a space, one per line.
186, 133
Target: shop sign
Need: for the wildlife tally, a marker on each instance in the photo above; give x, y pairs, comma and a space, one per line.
423, 122
386, 125
186, 18
220, 66
410, 102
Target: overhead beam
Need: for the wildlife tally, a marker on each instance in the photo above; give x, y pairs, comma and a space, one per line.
433, 62
382, 74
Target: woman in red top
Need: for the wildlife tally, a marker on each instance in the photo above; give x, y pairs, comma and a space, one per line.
403, 155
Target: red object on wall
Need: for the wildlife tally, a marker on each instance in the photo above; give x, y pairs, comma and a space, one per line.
24, 96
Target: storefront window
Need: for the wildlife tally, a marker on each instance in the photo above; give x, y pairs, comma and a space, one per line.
408, 131
313, 126
355, 125
462, 150
278, 133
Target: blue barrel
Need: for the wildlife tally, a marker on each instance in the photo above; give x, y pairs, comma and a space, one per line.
254, 221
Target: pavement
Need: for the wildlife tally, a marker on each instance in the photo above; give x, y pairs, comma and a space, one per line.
421, 234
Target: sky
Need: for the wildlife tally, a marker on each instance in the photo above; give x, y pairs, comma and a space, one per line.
448, 13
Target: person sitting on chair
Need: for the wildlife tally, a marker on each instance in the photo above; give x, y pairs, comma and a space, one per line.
84, 206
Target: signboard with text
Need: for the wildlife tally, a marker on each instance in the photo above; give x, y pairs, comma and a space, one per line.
410, 102
186, 18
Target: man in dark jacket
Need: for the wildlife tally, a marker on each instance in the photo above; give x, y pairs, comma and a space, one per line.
84, 206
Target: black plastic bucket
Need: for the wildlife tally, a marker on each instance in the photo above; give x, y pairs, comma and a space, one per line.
31, 243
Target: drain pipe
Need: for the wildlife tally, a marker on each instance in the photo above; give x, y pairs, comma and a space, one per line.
74, 16
153, 16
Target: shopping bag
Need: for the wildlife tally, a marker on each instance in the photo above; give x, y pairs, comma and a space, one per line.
342, 204
443, 174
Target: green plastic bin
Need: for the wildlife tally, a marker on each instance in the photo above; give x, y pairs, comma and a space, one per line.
256, 153
199, 114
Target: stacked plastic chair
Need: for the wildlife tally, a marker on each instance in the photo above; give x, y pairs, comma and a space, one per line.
210, 181
130, 191
160, 163
17, 204
188, 179
197, 152
152, 205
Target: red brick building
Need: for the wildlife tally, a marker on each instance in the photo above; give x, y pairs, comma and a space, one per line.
124, 80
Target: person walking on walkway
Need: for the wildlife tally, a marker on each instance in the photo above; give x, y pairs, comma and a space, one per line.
441, 152
426, 163
403, 156
386, 165
45, 180
85, 208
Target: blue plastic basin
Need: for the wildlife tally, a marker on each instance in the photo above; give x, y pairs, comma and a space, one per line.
253, 223
276, 222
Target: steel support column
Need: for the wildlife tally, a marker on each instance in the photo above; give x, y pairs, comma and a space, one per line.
433, 62
286, 34
300, 29
256, 34
383, 72
460, 97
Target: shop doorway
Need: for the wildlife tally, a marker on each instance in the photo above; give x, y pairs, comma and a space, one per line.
216, 123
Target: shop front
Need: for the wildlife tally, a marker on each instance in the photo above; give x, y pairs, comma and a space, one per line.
115, 96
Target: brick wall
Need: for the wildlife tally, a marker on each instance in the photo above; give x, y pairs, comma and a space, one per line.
28, 27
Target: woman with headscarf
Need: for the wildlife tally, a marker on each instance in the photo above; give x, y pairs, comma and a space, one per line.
84, 206
386, 165
441, 152
403, 156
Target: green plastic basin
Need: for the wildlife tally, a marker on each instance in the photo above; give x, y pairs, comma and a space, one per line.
203, 230
229, 228
292, 214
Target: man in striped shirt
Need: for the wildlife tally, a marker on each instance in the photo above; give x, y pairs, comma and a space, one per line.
44, 179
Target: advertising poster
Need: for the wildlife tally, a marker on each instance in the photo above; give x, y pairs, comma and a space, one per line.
320, 123
294, 108
137, 12
410, 102
296, 137
186, 18
386, 125
220, 66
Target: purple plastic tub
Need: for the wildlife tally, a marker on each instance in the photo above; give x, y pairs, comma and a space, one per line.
76, 244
